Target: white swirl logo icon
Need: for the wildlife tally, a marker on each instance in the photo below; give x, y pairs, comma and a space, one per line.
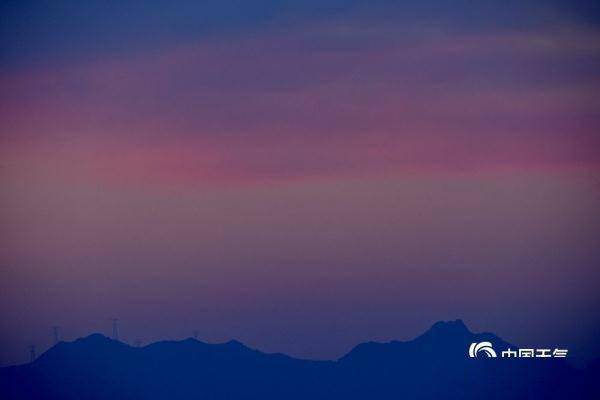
483, 347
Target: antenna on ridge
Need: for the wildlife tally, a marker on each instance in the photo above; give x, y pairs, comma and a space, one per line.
32, 352
56, 334
115, 328
196, 333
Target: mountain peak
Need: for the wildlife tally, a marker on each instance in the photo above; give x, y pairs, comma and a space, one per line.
457, 326
96, 340
95, 337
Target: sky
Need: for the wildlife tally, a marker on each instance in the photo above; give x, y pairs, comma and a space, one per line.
299, 176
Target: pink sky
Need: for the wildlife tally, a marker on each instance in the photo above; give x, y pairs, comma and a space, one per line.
306, 188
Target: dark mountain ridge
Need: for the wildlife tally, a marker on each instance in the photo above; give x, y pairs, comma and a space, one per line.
433, 365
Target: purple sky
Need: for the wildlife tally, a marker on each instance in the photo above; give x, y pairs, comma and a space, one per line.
300, 177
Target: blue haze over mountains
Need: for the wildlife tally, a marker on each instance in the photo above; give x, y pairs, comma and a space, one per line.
434, 365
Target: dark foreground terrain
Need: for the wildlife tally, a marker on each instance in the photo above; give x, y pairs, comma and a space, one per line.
435, 365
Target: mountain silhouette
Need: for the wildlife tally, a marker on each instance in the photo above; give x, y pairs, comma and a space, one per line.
432, 366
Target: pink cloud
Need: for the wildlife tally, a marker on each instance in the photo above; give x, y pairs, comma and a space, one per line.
298, 107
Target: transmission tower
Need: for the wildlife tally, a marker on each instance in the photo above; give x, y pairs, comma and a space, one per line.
115, 328
56, 334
